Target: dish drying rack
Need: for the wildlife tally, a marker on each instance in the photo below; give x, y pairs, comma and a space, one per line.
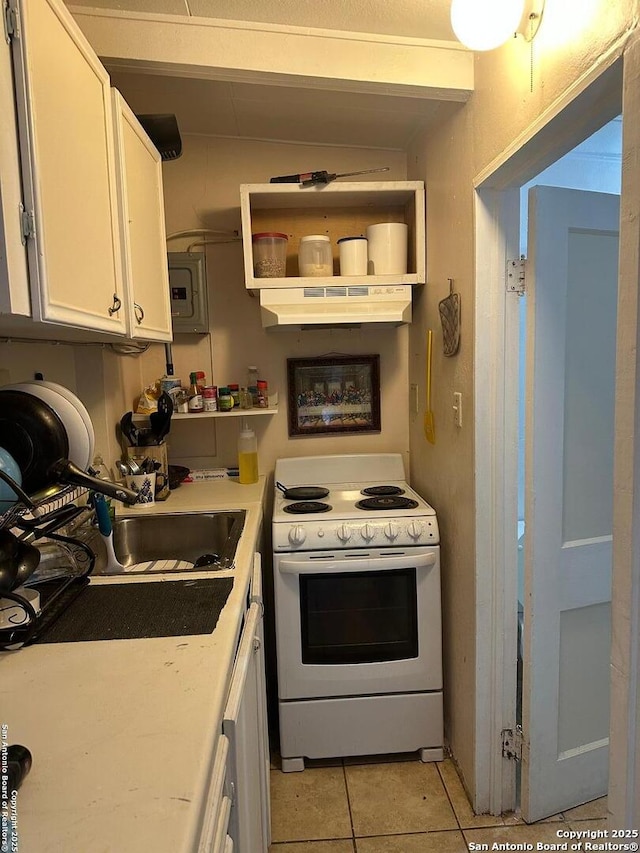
43, 518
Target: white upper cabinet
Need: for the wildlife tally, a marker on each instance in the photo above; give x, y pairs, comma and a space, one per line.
68, 170
142, 228
14, 280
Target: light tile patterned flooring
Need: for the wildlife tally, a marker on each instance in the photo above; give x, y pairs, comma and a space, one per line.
396, 806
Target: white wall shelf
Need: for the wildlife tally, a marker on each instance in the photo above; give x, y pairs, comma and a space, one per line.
340, 209
234, 413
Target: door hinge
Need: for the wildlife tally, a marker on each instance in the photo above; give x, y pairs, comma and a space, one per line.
27, 224
10, 19
516, 276
512, 740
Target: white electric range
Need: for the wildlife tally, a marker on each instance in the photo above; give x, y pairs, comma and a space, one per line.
358, 624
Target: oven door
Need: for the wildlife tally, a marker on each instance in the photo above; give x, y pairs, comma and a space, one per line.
358, 623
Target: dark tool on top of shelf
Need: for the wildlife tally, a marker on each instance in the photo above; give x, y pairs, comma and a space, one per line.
312, 179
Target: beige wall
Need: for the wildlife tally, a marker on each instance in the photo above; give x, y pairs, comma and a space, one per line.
202, 191
447, 158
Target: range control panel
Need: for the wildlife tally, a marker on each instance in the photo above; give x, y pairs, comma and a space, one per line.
323, 535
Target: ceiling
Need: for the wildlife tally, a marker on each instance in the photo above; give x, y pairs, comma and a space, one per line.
280, 112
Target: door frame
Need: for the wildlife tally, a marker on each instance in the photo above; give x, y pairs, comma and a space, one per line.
594, 99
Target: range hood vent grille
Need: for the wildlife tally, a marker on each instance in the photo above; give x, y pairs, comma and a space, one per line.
321, 292
335, 306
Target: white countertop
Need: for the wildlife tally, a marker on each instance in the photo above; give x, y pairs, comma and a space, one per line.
123, 732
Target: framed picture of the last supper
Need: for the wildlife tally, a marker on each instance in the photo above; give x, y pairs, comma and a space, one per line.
334, 394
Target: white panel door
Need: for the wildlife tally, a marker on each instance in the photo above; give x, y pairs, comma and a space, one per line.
68, 169
570, 364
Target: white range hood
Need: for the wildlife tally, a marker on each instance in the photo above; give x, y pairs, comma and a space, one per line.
351, 305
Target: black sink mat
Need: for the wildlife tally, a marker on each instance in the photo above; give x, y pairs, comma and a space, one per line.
130, 611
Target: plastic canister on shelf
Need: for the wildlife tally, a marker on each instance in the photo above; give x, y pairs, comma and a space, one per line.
247, 456
225, 400
314, 256
171, 386
269, 254
353, 255
252, 376
387, 248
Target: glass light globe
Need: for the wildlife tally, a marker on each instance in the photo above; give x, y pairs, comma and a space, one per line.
485, 24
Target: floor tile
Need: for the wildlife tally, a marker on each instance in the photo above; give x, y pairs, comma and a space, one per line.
460, 801
589, 825
515, 819
516, 834
313, 847
589, 811
398, 799
309, 806
422, 842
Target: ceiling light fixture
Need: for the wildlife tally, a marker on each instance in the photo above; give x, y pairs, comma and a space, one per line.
486, 24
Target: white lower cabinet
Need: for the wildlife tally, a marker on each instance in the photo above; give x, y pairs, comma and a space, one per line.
218, 803
244, 724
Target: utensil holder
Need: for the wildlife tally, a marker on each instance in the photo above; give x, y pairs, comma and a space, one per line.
157, 452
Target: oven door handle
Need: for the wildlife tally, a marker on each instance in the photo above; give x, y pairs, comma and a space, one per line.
355, 564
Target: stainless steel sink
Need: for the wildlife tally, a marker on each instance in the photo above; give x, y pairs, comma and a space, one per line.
209, 538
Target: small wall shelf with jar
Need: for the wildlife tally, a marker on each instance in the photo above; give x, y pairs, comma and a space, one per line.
341, 209
234, 413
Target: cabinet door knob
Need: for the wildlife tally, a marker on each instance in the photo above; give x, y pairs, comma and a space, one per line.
138, 312
117, 305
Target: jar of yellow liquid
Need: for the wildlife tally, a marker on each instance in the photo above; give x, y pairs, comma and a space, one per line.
248, 456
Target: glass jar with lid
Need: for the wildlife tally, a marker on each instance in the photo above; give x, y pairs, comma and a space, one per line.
314, 256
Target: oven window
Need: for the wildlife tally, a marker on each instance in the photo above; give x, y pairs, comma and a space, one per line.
361, 617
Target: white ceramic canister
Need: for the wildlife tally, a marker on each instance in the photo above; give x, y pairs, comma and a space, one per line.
314, 256
387, 248
353, 255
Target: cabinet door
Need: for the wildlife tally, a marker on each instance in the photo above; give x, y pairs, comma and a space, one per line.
14, 281
66, 143
243, 725
143, 237
217, 804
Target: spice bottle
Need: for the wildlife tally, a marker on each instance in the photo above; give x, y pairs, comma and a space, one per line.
247, 456
234, 390
225, 400
195, 403
210, 398
263, 394
246, 400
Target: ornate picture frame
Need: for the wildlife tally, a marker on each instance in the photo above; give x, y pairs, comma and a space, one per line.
333, 395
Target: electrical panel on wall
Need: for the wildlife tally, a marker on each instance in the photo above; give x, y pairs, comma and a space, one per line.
188, 290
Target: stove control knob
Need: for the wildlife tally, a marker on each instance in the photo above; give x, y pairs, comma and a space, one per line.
344, 533
391, 531
368, 532
415, 530
297, 535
